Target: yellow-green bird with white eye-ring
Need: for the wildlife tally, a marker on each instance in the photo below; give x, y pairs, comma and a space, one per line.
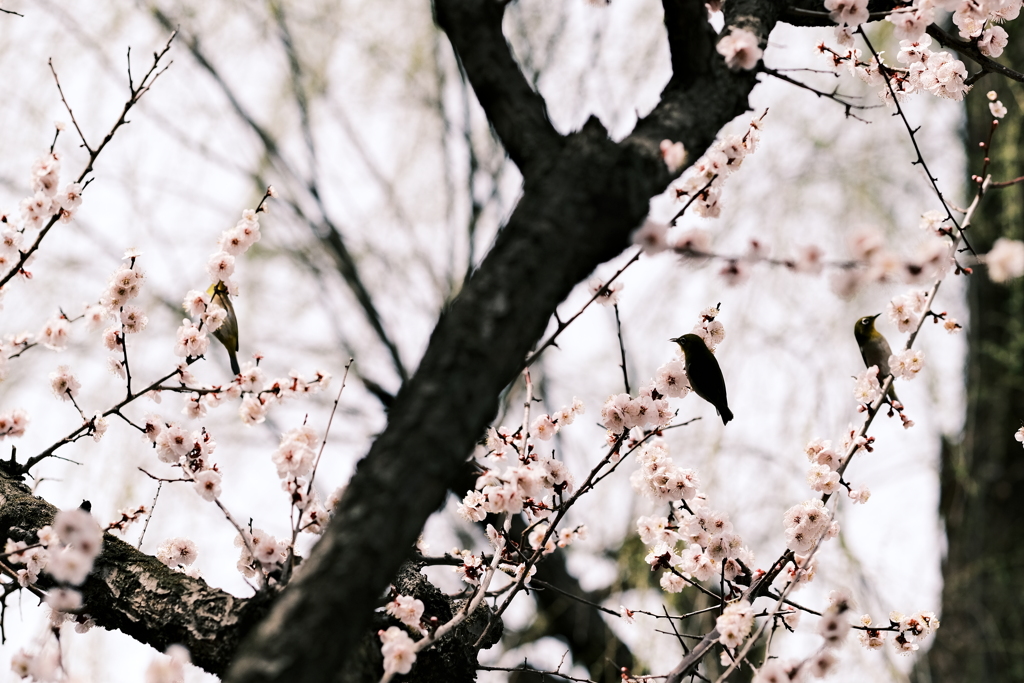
704, 373
874, 349
227, 333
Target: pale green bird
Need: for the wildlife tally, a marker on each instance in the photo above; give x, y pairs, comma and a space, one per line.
227, 333
874, 349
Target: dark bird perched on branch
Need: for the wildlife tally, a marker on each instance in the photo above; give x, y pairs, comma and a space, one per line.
704, 374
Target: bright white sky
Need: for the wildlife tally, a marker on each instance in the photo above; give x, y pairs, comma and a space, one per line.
177, 176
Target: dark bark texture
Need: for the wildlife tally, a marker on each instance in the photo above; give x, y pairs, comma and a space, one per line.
982, 634
583, 195
135, 593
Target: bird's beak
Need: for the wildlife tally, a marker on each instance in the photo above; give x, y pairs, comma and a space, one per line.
676, 340
875, 317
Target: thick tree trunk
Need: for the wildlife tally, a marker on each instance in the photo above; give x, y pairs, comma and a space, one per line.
982, 634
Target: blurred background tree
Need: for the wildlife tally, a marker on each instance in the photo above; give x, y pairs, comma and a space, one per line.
982, 636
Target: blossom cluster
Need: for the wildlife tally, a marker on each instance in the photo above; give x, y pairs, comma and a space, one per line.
190, 451
1005, 260
13, 423
937, 73
807, 523
933, 260
734, 623
996, 107
520, 479
46, 202
258, 394
866, 387
906, 310
546, 426
65, 550
530, 480
295, 459
980, 18
408, 610
712, 546
267, 554
649, 408
234, 242
910, 631
703, 181
907, 363
658, 478
179, 554
399, 650
530, 485
823, 475
740, 48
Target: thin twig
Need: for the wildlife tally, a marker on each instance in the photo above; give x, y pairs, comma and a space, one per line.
1008, 183
82, 431
602, 608
246, 539
834, 95
884, 71
693, 198
330, 421
164, 479
67, 106
524, 668
622, 347
152, 509
562, 325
